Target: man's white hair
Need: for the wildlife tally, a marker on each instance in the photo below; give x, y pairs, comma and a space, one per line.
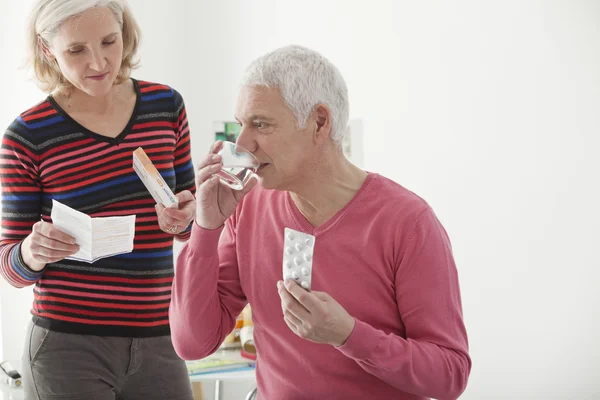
304, 78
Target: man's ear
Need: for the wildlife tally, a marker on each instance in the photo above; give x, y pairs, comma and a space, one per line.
322, 118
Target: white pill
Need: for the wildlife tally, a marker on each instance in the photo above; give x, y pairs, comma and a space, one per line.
295, 275
289, 251
305, 285
308, 242
305, 271
307, 257
299, 246
290, 236
288, 263
297, 261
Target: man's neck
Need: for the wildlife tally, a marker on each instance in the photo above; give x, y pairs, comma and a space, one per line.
329, 189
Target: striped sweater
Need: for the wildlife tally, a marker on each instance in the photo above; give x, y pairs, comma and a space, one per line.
46, 155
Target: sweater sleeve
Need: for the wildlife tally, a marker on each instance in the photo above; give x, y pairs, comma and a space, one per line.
184, 169
433, 359
21, 204
207, 295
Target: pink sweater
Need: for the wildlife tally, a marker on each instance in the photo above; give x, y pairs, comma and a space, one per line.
384, 257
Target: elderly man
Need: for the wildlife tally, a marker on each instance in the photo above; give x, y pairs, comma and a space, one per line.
383, 318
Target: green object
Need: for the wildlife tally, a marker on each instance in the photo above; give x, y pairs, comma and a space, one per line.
232, 130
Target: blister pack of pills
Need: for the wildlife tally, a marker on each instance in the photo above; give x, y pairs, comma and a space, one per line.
298, 248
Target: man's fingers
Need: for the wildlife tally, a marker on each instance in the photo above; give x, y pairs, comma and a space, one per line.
289, 304
291, 325
292, 318
246, 189
206, 191
216, 147
307, 299
321, 295
206, 173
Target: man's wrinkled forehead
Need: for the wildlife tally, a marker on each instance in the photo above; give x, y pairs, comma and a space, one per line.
257, 102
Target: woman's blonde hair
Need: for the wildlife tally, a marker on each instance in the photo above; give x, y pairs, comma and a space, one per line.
45, 21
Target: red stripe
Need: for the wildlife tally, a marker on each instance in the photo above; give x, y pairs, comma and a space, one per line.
148, 237
154, 218
107, 314
43, 104
151, 245
16, 232
154, 88
95, 322
151, 297
17, 145
182, 160
88, 170
145, 228
96, 278
164, 124
182, 117
27, 224
13, 180
19, 189
62, 150
166, 147
88, 166
40, 115
144, 202
101, 304
183, 142
125, 289
105, 177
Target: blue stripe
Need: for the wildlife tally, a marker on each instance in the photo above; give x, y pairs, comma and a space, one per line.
105, 185
21, 197
146, 255
47, 122
157, 96
18, 268
184, 168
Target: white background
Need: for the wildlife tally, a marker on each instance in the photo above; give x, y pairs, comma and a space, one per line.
488, 110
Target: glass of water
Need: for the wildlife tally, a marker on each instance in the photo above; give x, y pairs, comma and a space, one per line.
238, 165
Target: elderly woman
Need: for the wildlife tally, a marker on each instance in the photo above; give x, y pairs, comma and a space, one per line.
99, 330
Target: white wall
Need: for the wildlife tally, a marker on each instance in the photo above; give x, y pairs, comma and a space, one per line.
486, 109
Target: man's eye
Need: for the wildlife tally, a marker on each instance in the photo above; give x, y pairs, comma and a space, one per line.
259, 125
